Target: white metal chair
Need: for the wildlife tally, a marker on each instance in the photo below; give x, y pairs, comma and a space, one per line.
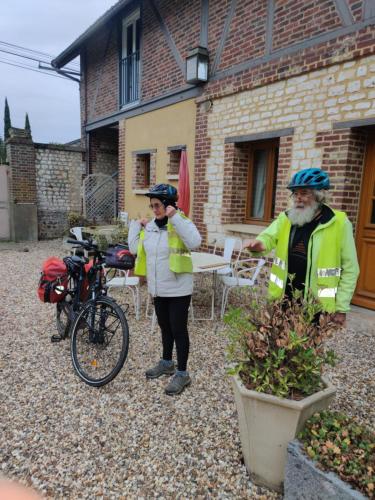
130, 282
244, 275
230, 245
77, 232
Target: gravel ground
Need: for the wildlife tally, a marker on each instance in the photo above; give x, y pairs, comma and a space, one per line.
128, 439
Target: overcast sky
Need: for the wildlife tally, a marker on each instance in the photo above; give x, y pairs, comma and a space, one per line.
48, 26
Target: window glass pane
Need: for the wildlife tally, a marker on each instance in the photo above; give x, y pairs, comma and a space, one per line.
259, 183
137, 35
129, 39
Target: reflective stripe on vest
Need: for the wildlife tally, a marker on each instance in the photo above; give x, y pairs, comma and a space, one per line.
179, 255
327, 293
278, 262
278, 282
330, 271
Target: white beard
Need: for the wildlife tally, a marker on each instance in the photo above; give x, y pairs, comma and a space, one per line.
302, 216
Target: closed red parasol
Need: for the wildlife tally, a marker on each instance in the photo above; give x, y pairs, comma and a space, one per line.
184, 185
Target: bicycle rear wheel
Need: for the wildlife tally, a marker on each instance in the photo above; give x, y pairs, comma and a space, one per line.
63, 318
99, 341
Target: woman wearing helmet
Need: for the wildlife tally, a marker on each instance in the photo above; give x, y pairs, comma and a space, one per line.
314, 244
163, 255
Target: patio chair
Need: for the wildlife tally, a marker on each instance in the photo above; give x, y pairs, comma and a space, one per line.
77, 233
123, 280
244, 275
230, 245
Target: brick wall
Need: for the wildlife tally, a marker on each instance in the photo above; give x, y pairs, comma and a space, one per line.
160, 72
121, 165
236, 166
173, 165
246, 37
21, 158
343, 153
99, 87
282, 174
143, 169
202, 153
294, 22
104, 151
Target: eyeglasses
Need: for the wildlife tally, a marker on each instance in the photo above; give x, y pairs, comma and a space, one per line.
155, 206
303, 193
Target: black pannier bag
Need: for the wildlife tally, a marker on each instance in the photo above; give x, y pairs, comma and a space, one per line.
119, 257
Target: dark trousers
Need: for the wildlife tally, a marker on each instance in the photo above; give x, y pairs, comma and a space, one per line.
172, 314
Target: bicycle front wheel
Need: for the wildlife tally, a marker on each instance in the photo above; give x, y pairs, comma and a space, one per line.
99, 341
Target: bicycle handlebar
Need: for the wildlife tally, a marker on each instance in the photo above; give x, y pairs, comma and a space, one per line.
89, 245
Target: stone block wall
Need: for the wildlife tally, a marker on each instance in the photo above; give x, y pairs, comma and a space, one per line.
311, 105
59, 171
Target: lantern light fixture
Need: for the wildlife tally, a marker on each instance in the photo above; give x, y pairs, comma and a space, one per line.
197, 65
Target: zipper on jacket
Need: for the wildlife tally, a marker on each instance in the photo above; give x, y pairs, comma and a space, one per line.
318, 228
307, 285
156, 258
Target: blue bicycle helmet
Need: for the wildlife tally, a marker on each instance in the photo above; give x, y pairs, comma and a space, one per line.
163, 191
311, 178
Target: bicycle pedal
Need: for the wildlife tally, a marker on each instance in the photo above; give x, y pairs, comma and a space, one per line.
56, 338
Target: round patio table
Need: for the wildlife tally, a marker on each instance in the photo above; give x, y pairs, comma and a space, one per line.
204, 262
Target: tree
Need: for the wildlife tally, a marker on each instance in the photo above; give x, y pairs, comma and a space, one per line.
2, 151
7, 122
27, 123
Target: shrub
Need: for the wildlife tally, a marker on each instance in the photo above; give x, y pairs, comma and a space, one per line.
276, 346
76, 219
340, 444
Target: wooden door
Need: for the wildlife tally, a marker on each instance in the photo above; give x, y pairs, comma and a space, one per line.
365, 292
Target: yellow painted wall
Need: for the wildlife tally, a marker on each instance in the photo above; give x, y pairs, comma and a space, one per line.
170, 126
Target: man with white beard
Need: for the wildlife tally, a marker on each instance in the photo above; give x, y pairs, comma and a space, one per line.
314, 245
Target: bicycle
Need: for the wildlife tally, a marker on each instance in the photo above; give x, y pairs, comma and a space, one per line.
96, 324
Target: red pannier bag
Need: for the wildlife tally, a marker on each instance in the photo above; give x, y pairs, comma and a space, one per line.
119, 257
84, 295
53, 283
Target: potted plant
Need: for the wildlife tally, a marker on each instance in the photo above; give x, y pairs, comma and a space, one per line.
334, 453
276, 356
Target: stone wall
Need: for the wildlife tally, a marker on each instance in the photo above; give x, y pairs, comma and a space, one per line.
59, 171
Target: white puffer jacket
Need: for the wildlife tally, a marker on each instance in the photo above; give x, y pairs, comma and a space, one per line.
161, 281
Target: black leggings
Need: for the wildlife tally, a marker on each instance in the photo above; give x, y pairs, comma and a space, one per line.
172, 314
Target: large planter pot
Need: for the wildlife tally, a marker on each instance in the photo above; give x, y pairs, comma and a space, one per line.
304, 480
267, 424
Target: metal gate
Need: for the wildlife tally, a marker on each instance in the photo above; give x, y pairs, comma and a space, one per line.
99, 197
4, 204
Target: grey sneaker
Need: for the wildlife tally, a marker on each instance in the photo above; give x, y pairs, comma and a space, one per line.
177, 384
160, 369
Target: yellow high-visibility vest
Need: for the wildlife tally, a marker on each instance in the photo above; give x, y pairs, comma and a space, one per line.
321, 280
179, 255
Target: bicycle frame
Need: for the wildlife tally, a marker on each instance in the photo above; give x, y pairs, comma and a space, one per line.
96, 288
